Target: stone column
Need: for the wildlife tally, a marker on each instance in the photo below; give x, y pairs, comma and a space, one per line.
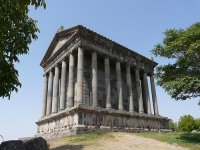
138, 91
154, 97
55, 90
119, 86
146, 92
129, 85
71, 81
107, 82
49, 94
63, 85
80, 69
44, 100
94, 79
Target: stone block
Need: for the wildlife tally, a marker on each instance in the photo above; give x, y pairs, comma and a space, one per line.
12, 145
36, 144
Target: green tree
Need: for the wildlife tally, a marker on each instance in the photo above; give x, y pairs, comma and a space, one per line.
173, 125
197, 123
17, 30
186, 123
181, 79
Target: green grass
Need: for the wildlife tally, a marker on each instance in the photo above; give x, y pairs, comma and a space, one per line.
70, 142
90, 138
186, 140
189, 140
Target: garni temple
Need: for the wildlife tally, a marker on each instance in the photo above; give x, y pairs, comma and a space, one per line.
92, 83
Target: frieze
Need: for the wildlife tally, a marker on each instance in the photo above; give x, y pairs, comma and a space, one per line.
106, 43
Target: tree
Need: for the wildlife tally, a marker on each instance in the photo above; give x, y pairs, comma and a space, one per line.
197, 123
16, 32
173, 125
181, 79
186, 123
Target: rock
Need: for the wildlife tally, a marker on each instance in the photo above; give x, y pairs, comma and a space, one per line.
194, 131
36, 144
12, 145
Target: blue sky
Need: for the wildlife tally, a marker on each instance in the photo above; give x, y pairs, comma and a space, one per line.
136, 24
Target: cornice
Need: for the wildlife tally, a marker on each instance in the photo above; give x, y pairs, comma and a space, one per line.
112, 46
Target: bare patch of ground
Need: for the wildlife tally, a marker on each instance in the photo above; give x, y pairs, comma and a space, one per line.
123, 141
118, 141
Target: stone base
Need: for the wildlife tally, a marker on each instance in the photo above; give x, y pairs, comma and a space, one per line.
82, 119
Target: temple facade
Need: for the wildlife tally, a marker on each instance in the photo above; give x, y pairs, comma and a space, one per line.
92, 83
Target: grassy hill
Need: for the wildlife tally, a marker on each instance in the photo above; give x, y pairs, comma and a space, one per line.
116, 140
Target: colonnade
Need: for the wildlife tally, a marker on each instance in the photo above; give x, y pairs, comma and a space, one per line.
51, 93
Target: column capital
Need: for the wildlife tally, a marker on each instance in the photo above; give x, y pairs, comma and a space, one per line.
45, 75
71, 52
128, 64
63, 59
57, 65
92, 51
80, 44
106, 56
136, 68
118, 60
134, 63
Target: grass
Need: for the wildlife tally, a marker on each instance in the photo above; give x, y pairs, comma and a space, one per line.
189, 140
90, 138
78, 141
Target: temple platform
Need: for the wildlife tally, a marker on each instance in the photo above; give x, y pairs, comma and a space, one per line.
82, 119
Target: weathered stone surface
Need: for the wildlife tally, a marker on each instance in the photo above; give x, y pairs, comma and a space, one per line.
12, 145
36, 144
105, 87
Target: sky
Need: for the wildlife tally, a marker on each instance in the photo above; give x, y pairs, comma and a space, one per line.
136, 24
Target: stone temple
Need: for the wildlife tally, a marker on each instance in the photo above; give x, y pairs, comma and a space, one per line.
92, 83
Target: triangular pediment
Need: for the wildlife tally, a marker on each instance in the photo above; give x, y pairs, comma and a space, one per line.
59, 40
59, 44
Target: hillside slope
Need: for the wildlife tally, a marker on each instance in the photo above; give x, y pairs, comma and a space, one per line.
110, 141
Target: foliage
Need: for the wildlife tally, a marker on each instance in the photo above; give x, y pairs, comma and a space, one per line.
197, 123
16, 32
186, 123
173, 125
180, 79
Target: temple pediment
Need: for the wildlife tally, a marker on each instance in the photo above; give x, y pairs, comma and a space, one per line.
59, 40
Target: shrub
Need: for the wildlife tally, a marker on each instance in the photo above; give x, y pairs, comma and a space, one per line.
197, 123
186, 123
173, 125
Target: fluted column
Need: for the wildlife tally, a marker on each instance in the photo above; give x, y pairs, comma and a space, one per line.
129, 85
80, 69
56, 90
44, 100
49, 94
94, 79
119, 86
154, 97
107, 82
63, 85
138, 91
146, 92
71, 81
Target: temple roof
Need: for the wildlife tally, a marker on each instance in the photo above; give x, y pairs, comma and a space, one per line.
63, 38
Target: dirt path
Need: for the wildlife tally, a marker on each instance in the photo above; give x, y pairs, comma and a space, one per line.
123, 141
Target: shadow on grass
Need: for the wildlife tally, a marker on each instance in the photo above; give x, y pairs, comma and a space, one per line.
190, 137
68, 147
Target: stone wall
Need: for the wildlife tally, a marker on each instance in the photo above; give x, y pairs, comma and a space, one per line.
84, 119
